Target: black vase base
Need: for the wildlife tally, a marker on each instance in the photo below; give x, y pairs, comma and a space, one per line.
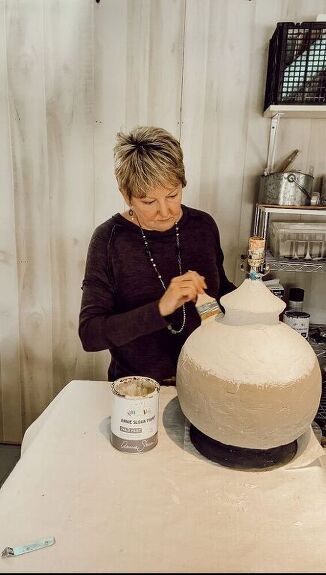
242, 458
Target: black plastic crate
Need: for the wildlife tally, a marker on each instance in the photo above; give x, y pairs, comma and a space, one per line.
296, 72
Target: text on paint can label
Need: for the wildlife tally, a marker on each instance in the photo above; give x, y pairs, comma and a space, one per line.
298, 320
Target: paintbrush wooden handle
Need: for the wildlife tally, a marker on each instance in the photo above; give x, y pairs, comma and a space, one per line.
288, 161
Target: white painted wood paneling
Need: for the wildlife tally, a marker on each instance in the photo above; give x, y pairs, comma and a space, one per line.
69, 98
47, 143
214, 111
10, 402
24, 28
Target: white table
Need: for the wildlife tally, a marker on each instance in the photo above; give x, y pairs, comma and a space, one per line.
165, 510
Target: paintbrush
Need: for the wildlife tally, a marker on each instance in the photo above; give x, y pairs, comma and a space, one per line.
207, 306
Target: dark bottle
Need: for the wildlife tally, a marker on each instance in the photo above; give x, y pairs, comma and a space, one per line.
296, 296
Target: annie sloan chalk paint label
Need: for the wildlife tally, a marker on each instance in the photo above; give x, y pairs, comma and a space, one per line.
299, 320
134, 418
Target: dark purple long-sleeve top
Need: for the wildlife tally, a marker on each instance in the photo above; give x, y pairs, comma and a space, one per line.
121, 292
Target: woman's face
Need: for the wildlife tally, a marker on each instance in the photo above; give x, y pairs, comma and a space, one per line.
160, 209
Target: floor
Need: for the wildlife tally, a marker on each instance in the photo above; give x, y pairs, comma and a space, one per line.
9, 455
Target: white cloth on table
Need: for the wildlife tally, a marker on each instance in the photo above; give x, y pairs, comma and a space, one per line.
165, 510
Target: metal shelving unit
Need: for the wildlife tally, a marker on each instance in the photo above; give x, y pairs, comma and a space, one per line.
276, 112
262, 213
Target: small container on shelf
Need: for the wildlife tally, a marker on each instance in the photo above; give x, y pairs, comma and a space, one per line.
275, 287
298, 240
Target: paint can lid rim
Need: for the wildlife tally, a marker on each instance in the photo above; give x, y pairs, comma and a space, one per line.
294, 313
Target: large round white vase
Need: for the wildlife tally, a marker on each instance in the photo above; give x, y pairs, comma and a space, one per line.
246, 379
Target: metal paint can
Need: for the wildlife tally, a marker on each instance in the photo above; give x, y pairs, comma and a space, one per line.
134, 417
299, 320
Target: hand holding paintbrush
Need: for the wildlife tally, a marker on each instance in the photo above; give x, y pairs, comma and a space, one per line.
189, 287
182, 289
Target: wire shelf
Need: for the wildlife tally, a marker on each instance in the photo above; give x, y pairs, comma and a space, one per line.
321, 413
291, 265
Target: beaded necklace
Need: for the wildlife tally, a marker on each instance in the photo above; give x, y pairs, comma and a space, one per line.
151, 259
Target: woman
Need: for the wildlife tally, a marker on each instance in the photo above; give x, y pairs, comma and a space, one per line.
146, 266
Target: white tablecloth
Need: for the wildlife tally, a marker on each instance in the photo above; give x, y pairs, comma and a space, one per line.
165, 510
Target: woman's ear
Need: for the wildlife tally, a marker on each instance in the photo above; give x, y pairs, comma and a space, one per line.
126, 198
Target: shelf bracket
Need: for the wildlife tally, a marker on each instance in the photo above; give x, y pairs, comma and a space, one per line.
272, 143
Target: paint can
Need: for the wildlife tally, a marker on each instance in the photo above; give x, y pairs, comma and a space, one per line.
299, 320
134, 417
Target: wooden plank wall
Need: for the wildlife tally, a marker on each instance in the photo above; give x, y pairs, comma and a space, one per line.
72, 75
10, 396
47, 110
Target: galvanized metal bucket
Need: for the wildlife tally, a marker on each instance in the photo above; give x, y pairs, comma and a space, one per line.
286, 189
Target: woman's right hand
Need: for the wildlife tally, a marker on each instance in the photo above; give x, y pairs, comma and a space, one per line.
181, 289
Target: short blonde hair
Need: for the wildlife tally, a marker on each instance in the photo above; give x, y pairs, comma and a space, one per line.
145, 158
